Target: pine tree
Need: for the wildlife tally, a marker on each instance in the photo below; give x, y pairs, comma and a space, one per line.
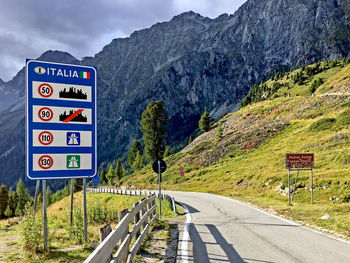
153, 122
190, 140
23, 197
12, 204
167, 151
219, 131
119, 170
8, 212
136, 148
111, 174
4, 198
139, 162
103, 178
204, 122
78, 185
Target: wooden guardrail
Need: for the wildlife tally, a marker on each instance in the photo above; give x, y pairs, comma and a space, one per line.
134, 192
143, 216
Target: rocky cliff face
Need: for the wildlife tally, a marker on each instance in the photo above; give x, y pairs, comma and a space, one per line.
193, 62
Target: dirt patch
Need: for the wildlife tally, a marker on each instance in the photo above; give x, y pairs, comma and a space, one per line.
8, 247
161, 246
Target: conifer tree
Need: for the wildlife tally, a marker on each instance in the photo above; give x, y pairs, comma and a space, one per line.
78, 185
139, 162
4, 198
8, 212
12, 204
167, 151
103, 178
111, 174
204, 122
119, 170
190, 140
136, 148
23, 197
153, 122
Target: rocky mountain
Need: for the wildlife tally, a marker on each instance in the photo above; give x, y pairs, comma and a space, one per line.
192, 62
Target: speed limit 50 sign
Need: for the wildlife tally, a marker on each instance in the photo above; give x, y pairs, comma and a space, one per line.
60, 121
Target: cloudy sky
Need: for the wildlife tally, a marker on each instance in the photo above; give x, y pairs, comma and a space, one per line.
83, 27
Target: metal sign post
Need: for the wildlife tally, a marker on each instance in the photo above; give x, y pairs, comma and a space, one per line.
84, 208
298, 162
159, 167
45, 216
160, 190
71, 201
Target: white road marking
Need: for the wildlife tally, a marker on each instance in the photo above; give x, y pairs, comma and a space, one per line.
185, 237
287, 221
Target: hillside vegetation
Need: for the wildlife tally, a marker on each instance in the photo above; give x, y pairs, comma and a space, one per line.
303, 111
66, 244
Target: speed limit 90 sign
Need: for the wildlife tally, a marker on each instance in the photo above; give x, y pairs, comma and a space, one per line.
45, 114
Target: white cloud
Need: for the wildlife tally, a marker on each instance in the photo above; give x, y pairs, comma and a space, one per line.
82, 28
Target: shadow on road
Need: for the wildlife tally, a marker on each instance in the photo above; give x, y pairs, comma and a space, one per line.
200, 247
230, 252
192, 210
200, 252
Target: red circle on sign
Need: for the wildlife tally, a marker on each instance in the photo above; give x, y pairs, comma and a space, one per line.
181, 169
41, 110
182, 173
48, 133
49, 165
44, 95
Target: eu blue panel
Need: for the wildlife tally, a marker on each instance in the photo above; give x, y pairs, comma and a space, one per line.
67, 77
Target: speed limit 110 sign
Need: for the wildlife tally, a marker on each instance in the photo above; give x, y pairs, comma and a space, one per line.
60, 121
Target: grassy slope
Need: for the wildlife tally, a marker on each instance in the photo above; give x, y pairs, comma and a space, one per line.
58, 226
248, 163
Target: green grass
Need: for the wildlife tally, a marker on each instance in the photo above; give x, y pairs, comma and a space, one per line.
60, 234
313, 124
322, 124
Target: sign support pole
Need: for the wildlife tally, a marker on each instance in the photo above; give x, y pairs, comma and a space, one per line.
289, 187
45, 215
36, 194
312, 188
85, 215
71, 201
160, 193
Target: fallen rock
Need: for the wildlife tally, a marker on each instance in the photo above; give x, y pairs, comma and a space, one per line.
325, 217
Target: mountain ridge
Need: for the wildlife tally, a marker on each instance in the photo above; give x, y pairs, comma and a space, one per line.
192, 62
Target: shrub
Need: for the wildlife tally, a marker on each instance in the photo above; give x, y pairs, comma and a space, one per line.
32, 233
344, 118
322, 124
78, 226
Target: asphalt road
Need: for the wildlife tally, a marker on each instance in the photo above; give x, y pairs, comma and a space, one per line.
219, 229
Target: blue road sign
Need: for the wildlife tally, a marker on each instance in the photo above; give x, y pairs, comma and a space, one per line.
96, 180
73, 138
61, 121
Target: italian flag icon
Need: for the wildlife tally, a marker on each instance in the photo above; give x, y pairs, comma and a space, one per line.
84, 75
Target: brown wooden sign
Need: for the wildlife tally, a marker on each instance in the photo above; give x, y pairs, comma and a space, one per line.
299, 160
